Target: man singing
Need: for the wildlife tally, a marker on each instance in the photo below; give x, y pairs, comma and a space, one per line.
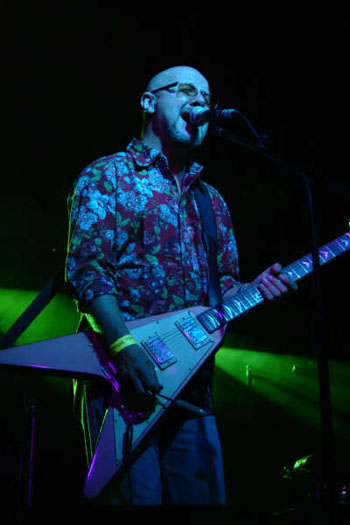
136, 249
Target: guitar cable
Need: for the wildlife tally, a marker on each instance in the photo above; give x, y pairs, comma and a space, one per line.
180, 403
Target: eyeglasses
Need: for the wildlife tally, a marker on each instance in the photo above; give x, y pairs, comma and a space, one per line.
189, 91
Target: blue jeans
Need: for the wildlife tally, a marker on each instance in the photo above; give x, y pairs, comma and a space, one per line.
181, 466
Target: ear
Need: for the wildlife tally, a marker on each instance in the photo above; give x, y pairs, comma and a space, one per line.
148, 101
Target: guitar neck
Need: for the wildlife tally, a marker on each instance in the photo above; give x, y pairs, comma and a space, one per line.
249, 296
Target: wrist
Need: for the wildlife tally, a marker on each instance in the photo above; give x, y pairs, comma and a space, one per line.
122, 342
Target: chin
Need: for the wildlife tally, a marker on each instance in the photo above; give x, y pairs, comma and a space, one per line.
187, 140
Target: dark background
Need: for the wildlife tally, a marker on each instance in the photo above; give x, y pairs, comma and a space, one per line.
71, 82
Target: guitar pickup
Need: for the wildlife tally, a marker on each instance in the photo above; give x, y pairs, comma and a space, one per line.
159, 352
193, 332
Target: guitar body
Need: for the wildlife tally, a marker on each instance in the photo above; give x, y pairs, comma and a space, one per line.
176, 343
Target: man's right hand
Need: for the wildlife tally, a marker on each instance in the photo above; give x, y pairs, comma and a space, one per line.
136, 376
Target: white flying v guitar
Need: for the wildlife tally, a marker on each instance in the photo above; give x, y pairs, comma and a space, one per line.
178, 344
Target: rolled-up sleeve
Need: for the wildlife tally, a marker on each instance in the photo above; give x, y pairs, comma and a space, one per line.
91, 252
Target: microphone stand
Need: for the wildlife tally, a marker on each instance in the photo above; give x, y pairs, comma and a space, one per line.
327, 490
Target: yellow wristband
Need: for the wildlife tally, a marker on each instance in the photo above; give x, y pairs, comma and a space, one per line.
122, 342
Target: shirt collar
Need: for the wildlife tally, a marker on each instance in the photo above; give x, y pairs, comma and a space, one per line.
144, 156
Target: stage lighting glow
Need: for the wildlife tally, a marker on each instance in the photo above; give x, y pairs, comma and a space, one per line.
59, 318
291, 382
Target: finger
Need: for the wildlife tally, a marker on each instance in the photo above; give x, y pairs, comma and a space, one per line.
273, 285
130, 383
273, 270
276, 283
156, 388
150, 380
288, 281
138, 383
265, 292
143, 404
277, 270
146, 371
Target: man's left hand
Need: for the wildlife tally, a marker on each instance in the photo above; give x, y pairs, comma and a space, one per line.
273, 282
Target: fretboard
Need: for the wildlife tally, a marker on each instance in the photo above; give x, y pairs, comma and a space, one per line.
250, 296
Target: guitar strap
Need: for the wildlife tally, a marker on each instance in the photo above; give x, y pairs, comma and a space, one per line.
209, 227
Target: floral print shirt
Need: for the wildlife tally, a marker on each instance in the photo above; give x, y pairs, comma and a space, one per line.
133, 234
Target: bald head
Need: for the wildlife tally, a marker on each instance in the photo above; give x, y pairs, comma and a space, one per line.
176, 74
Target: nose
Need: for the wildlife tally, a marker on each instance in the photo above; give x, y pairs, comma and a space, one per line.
198, 100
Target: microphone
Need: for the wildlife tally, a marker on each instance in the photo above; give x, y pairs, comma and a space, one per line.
199, 115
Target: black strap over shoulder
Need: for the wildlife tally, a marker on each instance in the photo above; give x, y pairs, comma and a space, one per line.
209, 226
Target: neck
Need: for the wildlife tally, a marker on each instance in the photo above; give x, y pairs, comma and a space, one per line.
177, 156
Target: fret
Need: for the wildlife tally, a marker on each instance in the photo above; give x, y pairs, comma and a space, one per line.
242, 298
233, 308
325, 256
237, 306
337, 249
299, 270
220, 316
328, 250
250, 299
253, 296
291, 272
228, 311
306, 264
342, 243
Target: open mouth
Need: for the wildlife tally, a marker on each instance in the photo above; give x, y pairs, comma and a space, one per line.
191, 128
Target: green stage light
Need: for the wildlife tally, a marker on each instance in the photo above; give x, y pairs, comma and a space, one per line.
290, 382
59, 318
